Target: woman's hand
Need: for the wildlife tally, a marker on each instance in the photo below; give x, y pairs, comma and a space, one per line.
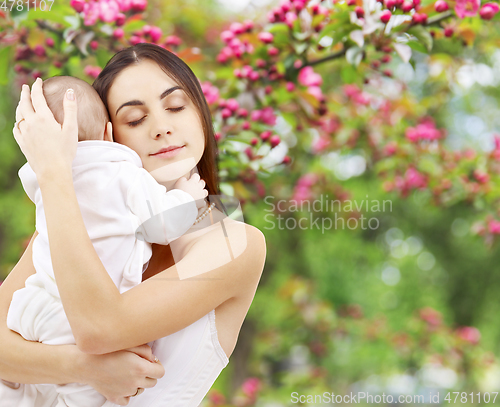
118, 375
46, 144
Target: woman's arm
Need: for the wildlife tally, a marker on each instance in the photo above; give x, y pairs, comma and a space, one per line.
114, 375
22, 361
103, 320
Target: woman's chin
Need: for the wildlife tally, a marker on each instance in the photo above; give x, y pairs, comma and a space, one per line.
174, 170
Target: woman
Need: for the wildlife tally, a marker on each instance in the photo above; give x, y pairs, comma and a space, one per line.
154, 102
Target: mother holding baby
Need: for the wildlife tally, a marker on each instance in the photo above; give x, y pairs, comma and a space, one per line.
195, 292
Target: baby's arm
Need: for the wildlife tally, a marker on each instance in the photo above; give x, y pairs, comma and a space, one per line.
163, 216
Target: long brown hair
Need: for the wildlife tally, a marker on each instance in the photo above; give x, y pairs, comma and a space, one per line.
178, 70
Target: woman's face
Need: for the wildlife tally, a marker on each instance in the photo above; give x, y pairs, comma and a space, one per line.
151, 113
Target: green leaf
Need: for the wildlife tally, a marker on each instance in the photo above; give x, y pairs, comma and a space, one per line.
417, 46
422, 35
48, 16
133, 26
102, 56
278, 28
5, 57
348, 74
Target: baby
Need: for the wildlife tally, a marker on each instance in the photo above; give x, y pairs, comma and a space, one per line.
116, 197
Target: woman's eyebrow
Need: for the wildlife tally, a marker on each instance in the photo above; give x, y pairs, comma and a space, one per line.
139, 102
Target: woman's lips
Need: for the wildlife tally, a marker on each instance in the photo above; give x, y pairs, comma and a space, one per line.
168, 154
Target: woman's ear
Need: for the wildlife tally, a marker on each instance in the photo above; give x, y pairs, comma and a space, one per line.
108, 132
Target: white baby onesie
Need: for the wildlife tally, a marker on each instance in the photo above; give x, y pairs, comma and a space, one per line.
124, 210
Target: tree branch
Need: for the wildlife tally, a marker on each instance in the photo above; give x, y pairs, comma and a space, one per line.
439, 18
327, 58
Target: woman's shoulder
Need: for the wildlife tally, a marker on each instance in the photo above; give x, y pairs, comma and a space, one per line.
243, 245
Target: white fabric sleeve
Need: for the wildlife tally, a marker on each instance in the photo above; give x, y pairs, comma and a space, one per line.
161, 216
28, 180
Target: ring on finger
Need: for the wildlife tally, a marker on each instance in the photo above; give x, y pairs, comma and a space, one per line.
19, 122
139, 391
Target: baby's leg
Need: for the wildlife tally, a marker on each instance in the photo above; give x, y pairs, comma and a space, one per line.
26, 395
78, 395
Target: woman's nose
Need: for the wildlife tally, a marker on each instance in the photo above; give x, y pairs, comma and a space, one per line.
162, 127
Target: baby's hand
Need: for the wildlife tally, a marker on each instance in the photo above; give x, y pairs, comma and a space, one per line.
195, 187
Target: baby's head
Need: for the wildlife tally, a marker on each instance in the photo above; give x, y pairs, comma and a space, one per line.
92, 115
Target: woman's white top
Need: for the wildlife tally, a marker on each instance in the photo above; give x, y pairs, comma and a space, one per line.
193, 358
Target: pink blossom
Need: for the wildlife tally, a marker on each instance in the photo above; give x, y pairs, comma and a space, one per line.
273, 51
118, 33
415, 179
274, 140
266, 37
232, 104
78, 5
226, 36
431, 316
120, 19
385, 16
469, 334
265, 135
138, 5
290, 86
91, 13
226, 113
211, 92
92, 71
290, 18
242, 112
391, 148
407, 6
253, 76
173, 40
351, 90
481, 176
467, 8
237, 28
320, 144
423, 131
94, 45
155, 33
251, 386
39, 50
441, 6
316, 92
267, 116
308, 77
124, 5
330, 125
256, 115
307, 180
248, 24
109, 10
488, 11
494, 227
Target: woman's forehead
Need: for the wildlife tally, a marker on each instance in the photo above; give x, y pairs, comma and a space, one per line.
140, 81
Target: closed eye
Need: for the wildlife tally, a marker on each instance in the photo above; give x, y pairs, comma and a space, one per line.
177, 109
136, 123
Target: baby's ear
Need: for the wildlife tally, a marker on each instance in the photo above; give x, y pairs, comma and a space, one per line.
108, 132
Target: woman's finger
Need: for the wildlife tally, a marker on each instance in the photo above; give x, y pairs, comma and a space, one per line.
144, 351
38, 99
195, 176
25, 107
70, 123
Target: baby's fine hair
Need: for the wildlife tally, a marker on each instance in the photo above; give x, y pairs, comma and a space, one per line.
92, 115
